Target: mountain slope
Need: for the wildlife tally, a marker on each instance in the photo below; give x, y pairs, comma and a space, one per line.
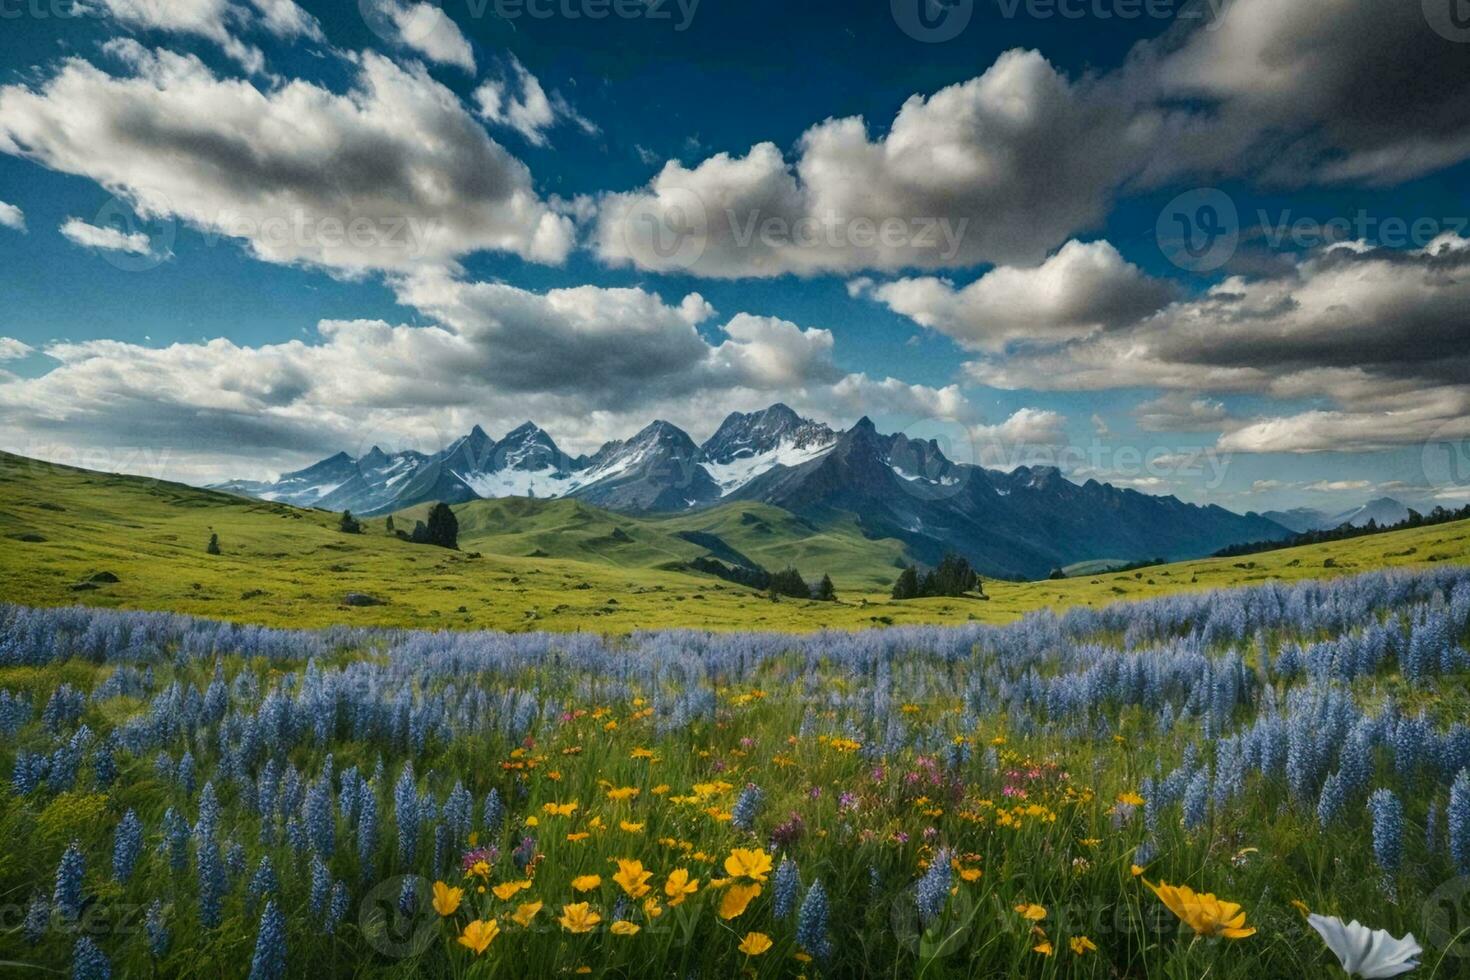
284, 566
1019, 525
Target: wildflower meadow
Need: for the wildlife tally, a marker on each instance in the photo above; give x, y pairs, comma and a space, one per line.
1265, 782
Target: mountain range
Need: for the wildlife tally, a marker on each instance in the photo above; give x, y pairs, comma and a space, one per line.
1019, 524
1385, 511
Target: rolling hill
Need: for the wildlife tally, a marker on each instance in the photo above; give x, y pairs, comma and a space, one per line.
528, 564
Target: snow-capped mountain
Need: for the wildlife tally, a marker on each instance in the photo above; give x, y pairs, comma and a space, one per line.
748, 444
1022, 523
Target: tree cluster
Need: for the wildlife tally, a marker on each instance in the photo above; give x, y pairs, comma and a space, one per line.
952, 577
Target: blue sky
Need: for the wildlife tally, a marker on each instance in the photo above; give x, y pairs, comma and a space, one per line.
1292, 371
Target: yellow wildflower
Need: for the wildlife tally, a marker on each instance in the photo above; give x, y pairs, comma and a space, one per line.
632, 878
579, 918
748, 863
1203, 912
525, 913
736, 898
507, 890
755, 943
479, 934
623, 927
679, 886
585, 883
1031, 912
1081, 944
446, 899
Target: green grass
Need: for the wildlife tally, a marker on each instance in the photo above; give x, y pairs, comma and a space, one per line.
554, 565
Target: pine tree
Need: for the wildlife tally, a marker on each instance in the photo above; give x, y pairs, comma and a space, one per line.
825, 591
907, 586
213, 548
349, 524
391, 529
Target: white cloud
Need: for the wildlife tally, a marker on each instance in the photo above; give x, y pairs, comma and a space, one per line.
1382, 335
285, 19
1176, 411
210, 19
520, 103
13, 350
1001, 168
392, 175
493, 353
1338, 486
422, 27
87, 235
1082, 289
12, 217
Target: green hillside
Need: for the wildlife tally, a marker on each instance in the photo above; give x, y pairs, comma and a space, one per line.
526, 564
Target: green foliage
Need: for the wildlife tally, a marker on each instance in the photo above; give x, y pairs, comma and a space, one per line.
213, 547
349, 524
443, 527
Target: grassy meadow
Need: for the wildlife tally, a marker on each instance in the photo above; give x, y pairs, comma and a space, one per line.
533, 565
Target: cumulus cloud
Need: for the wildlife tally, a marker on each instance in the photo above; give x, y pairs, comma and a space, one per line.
209, 19
1083, 288
421, 27
1005, 167
493, 353
1001, 168
1381, 334
1016, 440
12, 217
1176, 411
13, 350
286, 19
1283, 90
87, 235
391, 175
520, 103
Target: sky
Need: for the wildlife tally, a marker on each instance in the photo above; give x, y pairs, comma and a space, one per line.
1216, 249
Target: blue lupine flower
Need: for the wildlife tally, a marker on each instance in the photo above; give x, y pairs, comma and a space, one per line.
408, 896
406, 814
337, 910
747, 807
38, 919
88, 962
933, 889
494, 812
157, 930
320, 826
127, 844
786, 885
811, 923
1388, 829
212, 883
321, 883
269, 960
175, 839
263, 884
1197, 800
367, 832
66, 897
1330, 804
1457, 818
